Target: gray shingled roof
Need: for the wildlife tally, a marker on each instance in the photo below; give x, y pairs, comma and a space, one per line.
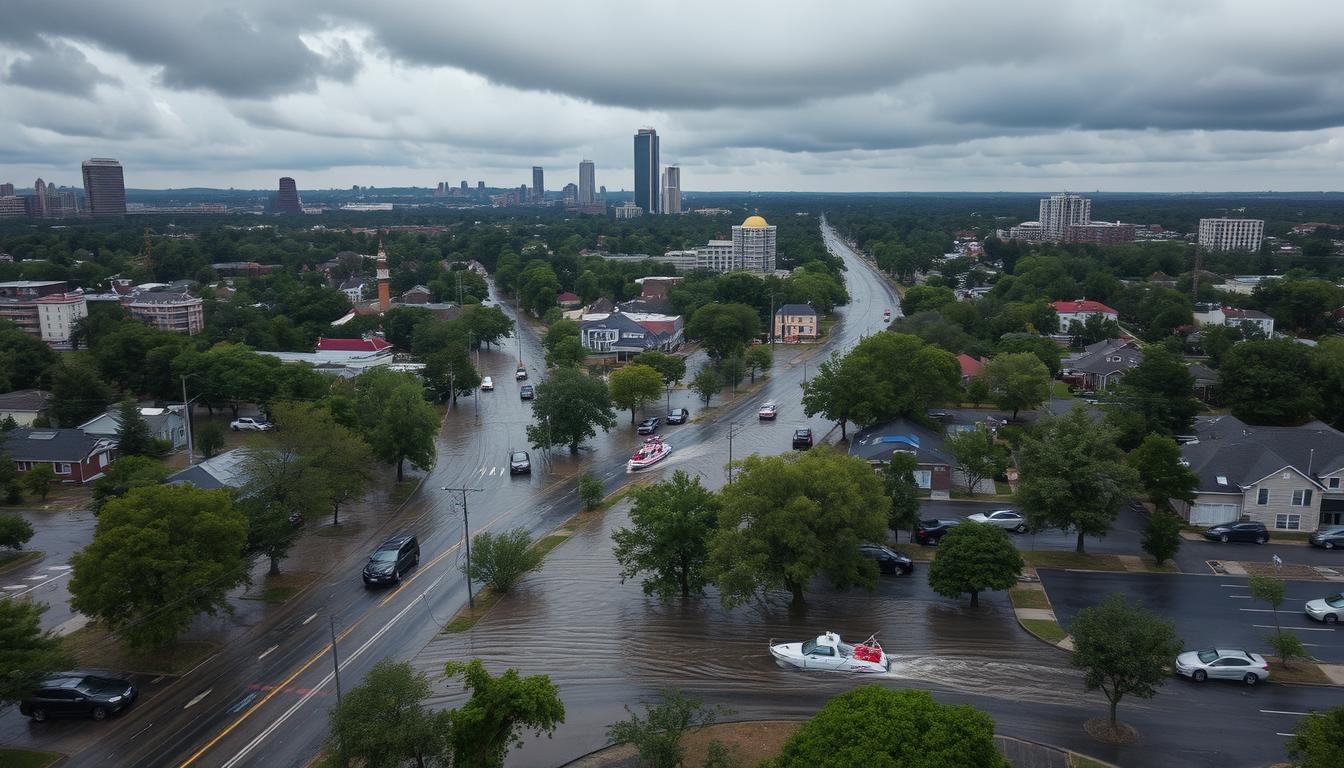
877, 443
795, 309
1099, 361
28, 400
222, 471
70, 445
1244, 454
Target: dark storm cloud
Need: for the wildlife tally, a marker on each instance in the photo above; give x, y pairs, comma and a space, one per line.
55, 66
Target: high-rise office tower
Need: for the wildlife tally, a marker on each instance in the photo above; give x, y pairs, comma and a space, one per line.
587, 179
104, 187
480, 188
672, 190
287, 201
1060, 211
464, 185
646, 170
6, 190
39, 199
538, 184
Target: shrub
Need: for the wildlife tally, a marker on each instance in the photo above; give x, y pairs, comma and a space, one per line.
500, 560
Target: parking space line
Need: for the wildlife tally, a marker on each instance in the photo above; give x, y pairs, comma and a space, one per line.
1282, 712
1240, 597
1303, 629
1264, 610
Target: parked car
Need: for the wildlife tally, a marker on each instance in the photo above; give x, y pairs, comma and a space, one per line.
886, 316
392, 559
520, 463
888, 560
1237, 531
1328, 538
1001, 518
250, 424
526, 392
928, 532
74, 694
520, 374
1327, 609
1250, 668
768, 412
648, 426
487, 384
802, 439
678, 416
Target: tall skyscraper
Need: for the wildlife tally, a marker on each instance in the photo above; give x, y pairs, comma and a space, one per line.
672, 189
1060, 211
104, 187
464, 185
39, 199
538, 184
383, 275
6, 190
646, 170
587, 181
287, 201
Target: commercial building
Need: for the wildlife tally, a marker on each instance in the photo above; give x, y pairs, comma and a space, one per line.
12, 207
716, 256
104, 187
1231, 234
1235, 317
287, 200
538, 184
1078, 311
43, 308
646, 170
1099, 233
6, 190
754, 245
628, 211
169, 311
587, 183
795, 322
1057, 212
672, 190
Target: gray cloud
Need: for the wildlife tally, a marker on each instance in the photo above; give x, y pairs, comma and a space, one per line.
56, 66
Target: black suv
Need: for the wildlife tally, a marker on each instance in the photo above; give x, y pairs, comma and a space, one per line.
395, 557
520, 463
648, 426
802, 439
78, 695
1330, 538
888, 560
526, 392
1237, 531
678, 416
928, 532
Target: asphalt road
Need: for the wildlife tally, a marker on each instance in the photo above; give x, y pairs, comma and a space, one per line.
57, 535
1209, 611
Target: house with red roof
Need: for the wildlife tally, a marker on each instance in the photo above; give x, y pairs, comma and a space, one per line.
970, 367
1079, 310
568, 300
368, 346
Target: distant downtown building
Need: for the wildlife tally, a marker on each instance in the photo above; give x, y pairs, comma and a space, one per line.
646, 170
169, 311
538, 184
287, 200
1231, 234
43, 308
104, 187
587, 183
6, 190
672, 189
1057, 212
628, 210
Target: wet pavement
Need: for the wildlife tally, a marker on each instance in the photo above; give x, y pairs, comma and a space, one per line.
57, 535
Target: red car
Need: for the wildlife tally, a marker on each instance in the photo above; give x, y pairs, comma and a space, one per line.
768, 412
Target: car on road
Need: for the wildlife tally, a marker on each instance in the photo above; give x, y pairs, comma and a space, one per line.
802, 439
74, 694
520, 463
928, 532
526, 392
888, 560
520, 374
1008, 519
678, 416
886, 316
648, 426
392, 559
768, 412
1237, 531
250, 424
1219, 664
487, 384
1329, 538
1327, 609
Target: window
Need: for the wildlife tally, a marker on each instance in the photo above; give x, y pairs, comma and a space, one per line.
1286, 522
23, 466
1262, 498
1334, 483
823, 650
62, 468
1302, 498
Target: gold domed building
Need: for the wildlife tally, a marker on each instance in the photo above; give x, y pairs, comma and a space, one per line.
754, 245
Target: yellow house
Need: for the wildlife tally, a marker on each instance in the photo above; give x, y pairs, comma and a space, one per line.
795, 322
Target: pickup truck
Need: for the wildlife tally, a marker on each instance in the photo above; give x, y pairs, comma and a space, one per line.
249, 424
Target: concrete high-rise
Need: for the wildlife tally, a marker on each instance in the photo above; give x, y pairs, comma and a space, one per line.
754, 245
104, 187
1231, 234
587, 183
287, 200
6, 190
672, 190
646, 170
39, 199
538, 184
1058, 212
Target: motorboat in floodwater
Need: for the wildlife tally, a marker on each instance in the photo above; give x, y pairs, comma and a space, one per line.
828, 652
651, 452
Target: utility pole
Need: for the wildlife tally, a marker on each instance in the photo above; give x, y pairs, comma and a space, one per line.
335, 661
466, 537
733, 429
186, 412
772, 322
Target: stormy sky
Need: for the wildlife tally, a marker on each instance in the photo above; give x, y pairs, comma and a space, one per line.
1132, 95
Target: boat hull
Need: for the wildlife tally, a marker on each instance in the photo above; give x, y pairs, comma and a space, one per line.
637, 464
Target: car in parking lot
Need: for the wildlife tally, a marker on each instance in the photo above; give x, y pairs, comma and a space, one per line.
74, 694
768, 412
928, 532
526, 392
648, 426
520, 463
1219, 664
678, 416
888, 560
392, 560
802, 439
1327, 609
487, 384
1331, 537
1244, 530
1008, 519
251, 424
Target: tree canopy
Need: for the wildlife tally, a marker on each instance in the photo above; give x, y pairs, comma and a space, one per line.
1270, 382
490, 722
724, 328
1123, 649
1017, 380
27, 653
668, 541
395, 420
568, 409
973, 557
634, 386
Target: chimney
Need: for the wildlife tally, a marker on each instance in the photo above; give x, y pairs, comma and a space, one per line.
384, 289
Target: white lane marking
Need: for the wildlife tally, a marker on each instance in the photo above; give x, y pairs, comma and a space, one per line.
267, 652
26, 589
16, 586
157, 680
1284, 734
310, 618
1295, 629
1282, 712
38, 577
1240, 597
1264, 610
1235, 586
142, 730
198, 666
59, 567
345, 661
198, 698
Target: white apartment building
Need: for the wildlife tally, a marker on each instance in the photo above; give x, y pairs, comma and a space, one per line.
671, 189
1231, 234
754, 245
57, 315
716, 256
628, 211
1059, 211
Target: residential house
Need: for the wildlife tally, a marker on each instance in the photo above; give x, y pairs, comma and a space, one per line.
75, 457
620, 334
970, 367
1246, 319
164, 424
354, 288
796, 322
568, 300
24, 405
1101, 365
1206, 381
417, 294
1080, 310
222, 471
1289, 478
876, 444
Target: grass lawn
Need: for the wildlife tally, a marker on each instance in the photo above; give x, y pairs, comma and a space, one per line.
1064, 559
11, 560
22, 758
1060, 391
278, 589
1301, 672
467, 618
1029, 598
1046, 629
92, 646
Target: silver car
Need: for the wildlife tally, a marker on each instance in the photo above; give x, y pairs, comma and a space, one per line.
1001, 518
1327, 609
1219, 664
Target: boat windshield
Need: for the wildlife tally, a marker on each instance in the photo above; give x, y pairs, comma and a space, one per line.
809, 646
846, 649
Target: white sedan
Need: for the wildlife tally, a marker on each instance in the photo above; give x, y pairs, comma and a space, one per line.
1001, 518
1219, 664
1327, 609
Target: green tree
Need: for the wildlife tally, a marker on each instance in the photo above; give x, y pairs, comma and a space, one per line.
11, 482
1157, 462
26, 356
208, 438
566, 353
873, 725
657, 736
1162, 389
977, 391
888, 375
591, 491
1123, 649
159, 556
1270, 382
1315, 742
126, 473
1017, 380
1330, 375
838, 392
1045, 350
758, 358
923, 298
133, 435
395, 420
973, 557
8, 424
501, 560
27, 653
40, 479
706, 384
724, 328
1162, 535
634, 386
1216, 340
903, 490
671, 367
978, 456
568, 409
1271, 590
488, 325
671, 523
484, 728
78, 393
14, 532
1072, 475
559, 331
787, 519
383, 722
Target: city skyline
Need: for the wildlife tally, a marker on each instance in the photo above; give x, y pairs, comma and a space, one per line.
1112, 97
